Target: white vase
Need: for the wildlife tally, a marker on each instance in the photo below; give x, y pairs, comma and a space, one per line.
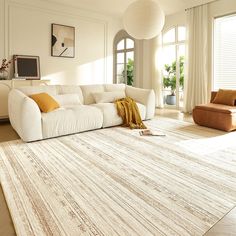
3, 74
171, 100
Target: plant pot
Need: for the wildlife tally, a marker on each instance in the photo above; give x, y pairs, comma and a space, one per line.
171, 99
3, 75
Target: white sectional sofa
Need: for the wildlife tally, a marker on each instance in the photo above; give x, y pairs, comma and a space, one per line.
78, 110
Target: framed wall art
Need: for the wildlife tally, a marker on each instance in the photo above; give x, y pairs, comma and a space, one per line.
63, 41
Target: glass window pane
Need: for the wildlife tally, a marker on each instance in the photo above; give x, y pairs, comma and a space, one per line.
182, 50
120, 79
121, 45
120, 69
169, 55
120, 57
129, 43
169, 36
129, 56
169, 74
224, 52
181, 33
130, 68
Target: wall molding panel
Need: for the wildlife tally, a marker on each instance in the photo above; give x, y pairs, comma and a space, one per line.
92, 28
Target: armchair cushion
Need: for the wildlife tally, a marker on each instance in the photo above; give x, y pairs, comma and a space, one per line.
217, 108
225, 97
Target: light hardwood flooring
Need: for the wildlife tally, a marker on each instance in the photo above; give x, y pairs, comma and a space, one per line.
225, 227
174, 114
6, 225
7, 133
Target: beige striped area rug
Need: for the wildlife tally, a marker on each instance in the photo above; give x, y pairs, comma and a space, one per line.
115, 182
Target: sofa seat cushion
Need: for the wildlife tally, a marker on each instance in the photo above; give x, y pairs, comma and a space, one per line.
110, 115
217, 108
71, 119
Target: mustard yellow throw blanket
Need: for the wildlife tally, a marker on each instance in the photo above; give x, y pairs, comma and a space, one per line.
128, 110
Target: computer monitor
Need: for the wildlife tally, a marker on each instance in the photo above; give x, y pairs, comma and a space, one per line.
26, 67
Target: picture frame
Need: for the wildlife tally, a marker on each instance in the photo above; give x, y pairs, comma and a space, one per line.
26, 67
62, 41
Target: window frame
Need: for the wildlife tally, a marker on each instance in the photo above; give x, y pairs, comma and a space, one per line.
177, 45
213, 79
123, 35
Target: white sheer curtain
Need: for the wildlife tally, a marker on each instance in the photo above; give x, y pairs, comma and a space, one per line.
196, 81
157, 70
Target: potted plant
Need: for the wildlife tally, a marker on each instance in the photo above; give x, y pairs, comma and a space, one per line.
169, 80
4, 69
129, 72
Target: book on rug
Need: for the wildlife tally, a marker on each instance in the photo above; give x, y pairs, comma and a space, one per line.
148, 132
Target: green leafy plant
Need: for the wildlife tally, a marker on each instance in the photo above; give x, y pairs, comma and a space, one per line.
129, 72
169, 80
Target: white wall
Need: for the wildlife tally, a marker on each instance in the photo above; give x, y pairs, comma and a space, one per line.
25, 28
173, 20
28, 32
1, 29
143, 77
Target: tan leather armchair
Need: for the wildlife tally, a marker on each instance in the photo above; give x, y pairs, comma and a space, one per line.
216, 116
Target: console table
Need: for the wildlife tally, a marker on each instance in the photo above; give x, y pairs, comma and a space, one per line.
7, 85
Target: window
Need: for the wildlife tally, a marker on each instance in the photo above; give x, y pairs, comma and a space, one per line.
124, 58
173, 42
224, 53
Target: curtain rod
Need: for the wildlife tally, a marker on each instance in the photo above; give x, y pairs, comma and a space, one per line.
201, 5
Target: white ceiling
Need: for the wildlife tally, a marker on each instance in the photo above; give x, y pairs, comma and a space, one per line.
117, 7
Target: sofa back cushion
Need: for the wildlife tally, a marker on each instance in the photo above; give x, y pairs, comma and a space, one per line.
88, 91
106, 97
68, 99
29, 90
71, 89
143, 96
225, 97
114, 87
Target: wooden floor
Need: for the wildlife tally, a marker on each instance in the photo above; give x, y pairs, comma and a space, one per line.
7, 133
225, 227
6, 225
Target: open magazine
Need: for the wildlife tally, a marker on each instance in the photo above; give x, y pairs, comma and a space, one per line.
148, 132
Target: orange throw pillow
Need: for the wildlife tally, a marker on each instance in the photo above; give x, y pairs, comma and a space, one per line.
45, 102
225, 97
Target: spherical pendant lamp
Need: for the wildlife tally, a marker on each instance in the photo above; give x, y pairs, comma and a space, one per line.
144, 19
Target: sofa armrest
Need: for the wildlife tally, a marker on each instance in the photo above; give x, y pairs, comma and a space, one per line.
143, 96
25, 116
213, 95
